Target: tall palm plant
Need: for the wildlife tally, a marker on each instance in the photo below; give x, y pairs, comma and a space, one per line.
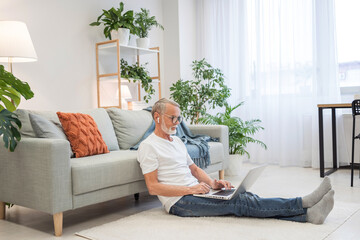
239, 131
206, 91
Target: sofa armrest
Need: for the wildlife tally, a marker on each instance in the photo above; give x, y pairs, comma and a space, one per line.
216, 131
37, 175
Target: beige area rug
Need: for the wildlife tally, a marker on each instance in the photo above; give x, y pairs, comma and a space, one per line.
156, 224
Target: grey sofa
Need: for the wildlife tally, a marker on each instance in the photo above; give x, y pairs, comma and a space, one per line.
42, 175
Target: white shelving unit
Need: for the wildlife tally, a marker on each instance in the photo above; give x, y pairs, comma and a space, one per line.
115, 77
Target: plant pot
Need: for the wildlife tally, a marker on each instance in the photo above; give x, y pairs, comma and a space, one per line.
122, 34
235, 165
143, 42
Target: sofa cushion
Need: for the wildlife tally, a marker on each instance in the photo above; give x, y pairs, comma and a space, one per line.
105, 127
83, 134
44, 128
116, 168
105, 170
129, 126
216, 150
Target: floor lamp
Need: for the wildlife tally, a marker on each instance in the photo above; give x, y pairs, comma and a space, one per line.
15, 43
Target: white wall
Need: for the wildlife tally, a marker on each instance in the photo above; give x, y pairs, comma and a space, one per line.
64, 77
187, 33
171, 45
179, 40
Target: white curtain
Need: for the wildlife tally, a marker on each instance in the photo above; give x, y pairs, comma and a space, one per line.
279, 56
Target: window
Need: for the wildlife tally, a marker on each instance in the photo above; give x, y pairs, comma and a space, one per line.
348, 43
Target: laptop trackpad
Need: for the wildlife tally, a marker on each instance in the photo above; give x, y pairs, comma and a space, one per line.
224, 192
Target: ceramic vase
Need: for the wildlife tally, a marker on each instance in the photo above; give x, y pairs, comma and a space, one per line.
235, 165
143, 43
122, 34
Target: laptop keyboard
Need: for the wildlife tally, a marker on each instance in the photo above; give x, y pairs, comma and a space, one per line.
224, 192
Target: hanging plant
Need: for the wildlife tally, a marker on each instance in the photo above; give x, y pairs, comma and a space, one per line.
136, 73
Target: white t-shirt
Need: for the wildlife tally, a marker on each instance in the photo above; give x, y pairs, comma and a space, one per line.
172, 161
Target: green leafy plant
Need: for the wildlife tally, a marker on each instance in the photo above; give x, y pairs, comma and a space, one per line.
207, 91
138, 73
144, 23
113, 19
239, 131
11, 90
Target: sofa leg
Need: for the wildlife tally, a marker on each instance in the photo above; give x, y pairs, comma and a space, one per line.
58, 223
2, 210
222, 174
136, 196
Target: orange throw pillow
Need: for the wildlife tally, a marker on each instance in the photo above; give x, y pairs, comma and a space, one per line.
83, 134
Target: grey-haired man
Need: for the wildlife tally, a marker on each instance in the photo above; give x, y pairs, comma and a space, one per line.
170, 174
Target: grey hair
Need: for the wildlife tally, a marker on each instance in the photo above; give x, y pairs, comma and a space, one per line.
160, 106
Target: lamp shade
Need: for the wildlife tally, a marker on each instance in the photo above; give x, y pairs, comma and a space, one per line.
125, 92
15, 43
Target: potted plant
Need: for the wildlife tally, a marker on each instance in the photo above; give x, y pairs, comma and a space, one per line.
143, 24
240, 133
11, 90
136, 73
206, 91
118, 25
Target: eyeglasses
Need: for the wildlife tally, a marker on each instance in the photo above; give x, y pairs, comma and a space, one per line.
174, 119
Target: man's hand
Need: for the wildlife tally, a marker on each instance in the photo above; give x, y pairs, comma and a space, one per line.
200, 188
218, 184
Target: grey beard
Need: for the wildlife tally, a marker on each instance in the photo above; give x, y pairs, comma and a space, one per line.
167, 130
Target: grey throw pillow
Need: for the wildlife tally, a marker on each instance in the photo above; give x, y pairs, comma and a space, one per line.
26, 129
44, 128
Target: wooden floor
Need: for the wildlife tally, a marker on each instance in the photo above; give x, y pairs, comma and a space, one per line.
23, 223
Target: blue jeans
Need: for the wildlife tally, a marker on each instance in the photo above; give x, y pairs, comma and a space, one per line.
244, 205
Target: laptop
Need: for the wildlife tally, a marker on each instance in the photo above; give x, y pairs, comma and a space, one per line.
246, 183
